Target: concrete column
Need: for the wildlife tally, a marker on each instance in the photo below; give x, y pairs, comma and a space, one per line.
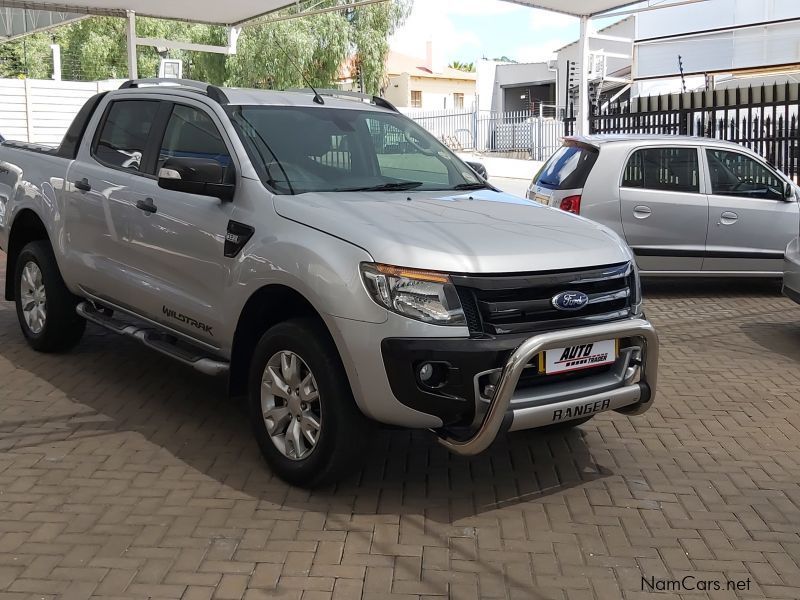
583, 78
133, 69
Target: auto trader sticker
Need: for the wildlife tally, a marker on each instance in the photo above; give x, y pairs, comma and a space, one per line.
584, 356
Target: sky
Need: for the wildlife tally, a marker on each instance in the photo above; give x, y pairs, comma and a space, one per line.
468, 30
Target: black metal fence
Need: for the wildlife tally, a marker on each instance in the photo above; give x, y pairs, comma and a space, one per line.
763, 118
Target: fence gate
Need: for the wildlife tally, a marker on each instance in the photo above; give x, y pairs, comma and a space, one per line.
526, 132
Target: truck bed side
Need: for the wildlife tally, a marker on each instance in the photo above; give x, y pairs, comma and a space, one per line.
32, 177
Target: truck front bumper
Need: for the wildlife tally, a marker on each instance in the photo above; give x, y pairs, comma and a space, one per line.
635, 398
483, 394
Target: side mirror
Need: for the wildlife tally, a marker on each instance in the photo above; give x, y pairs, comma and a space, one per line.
788, 191
480, 169
200, 176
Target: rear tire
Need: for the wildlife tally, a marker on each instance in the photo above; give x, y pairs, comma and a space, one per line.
304, 417
45, 306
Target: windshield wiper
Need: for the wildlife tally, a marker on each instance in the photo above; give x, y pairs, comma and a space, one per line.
397, 186
462, 187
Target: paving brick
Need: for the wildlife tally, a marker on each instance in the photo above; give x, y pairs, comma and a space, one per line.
126, 476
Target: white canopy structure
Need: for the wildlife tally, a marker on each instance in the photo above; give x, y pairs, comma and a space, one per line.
21, 17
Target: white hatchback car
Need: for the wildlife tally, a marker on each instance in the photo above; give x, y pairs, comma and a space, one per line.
686, 206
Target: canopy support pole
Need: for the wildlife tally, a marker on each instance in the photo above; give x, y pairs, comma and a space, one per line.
133, 69
583, 78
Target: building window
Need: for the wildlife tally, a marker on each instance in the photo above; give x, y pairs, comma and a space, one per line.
416, 99
458, 100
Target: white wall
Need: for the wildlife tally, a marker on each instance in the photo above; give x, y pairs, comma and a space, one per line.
40, 111
487, 81
753, 47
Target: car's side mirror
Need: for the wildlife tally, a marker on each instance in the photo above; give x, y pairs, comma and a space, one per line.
201, 176
788, 191
480, 169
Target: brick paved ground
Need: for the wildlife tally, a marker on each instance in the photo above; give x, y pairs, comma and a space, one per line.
124, 475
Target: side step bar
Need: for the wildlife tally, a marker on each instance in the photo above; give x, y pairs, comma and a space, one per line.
155, 340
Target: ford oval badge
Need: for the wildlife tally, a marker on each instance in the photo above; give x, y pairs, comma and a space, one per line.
570, 300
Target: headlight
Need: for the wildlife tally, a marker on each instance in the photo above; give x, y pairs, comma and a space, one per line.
422, 295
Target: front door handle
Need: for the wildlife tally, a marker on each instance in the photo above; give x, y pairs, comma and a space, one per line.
728, 218
83, 185
147, 206
642, 212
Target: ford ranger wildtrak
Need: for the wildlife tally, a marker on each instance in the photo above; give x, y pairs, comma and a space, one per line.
331, 258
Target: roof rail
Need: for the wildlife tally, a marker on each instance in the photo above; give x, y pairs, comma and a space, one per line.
212, 91
376, 100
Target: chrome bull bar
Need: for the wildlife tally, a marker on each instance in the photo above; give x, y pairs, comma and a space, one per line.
496, 414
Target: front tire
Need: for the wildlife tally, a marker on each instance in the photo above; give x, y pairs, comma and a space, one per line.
45, 307
304, 417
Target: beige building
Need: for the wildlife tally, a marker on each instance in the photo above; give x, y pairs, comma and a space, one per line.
423, 83
420, 83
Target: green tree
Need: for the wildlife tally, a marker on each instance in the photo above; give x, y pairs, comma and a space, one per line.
282, 54
372, 28
96, 48
460, 66
29, 57
271, 54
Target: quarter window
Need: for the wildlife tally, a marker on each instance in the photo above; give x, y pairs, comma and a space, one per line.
126, 129
734, 174
192, 134
666, 169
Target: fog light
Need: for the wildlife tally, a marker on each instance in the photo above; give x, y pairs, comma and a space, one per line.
433, 375
425, 372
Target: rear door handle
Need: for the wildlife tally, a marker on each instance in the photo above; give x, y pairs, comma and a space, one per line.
147, 206
642, 212
728, 218
83, 185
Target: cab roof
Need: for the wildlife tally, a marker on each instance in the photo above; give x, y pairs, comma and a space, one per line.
252, 97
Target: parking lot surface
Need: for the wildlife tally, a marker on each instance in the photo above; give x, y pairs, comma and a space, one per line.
125, 475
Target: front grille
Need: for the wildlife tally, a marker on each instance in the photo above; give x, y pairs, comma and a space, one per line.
522, 303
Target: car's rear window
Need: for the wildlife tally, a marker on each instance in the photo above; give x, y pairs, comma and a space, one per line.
568, 168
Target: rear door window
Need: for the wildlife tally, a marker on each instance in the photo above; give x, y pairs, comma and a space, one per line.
125, 134
568, 168
665, 169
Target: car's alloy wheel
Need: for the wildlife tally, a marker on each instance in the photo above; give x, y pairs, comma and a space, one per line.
290, 404
33, 297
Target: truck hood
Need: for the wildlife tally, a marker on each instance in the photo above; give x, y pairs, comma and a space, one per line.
476, 232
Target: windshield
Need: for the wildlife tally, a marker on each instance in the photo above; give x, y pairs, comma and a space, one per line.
301, 149
568, 168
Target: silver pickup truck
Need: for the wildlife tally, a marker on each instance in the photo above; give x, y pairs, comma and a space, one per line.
336, 262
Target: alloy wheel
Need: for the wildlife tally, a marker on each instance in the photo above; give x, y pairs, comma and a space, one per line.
290, 404
33, 297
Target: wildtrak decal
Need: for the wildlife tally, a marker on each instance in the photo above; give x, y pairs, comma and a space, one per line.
173, 314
